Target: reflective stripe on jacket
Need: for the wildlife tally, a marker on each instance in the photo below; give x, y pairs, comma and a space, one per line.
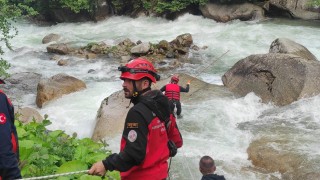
172, 91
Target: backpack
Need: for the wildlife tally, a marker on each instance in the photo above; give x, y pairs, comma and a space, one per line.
175, 139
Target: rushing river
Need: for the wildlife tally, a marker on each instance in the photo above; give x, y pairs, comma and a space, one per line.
220, 127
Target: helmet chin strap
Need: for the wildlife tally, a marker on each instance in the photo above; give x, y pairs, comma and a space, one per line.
137, 93
135, 90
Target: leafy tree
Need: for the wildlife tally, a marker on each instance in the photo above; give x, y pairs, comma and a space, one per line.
74, 5
9, 12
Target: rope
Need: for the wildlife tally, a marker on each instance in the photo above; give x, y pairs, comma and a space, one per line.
213, 62
185, 158
62, 174
205, 69
169, 168
210, 64
56, 175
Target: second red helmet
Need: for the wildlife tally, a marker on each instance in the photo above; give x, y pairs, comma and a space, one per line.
175, 78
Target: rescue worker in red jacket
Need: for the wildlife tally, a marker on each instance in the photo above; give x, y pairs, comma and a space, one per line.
144, 144
9, 149
172, 91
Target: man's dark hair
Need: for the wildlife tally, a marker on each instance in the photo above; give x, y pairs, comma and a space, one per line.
207, 164
145, 78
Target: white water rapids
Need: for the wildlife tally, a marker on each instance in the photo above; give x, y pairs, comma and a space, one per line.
208, 128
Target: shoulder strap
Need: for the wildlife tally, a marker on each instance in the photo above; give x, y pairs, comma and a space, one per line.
153, 106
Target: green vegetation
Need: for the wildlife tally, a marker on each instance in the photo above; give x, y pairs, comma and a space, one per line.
44, 152
158, 6
41, 6
176, 5
9, 13
315, 2
76, 5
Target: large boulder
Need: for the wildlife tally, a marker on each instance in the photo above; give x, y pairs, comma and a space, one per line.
103, 9
225, 13
110, 116
19, 85
287, 46
282, 142
300, 9
57, 86
278, 155
50, 38
28, 114
113, 110
278, 78
60, 48
264, 154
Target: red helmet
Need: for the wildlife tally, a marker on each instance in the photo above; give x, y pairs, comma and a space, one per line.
137, 69
175, 78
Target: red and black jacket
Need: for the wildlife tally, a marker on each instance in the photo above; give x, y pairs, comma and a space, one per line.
9, 151
144, 151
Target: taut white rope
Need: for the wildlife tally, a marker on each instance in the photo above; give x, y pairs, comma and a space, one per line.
62, 174
56, 175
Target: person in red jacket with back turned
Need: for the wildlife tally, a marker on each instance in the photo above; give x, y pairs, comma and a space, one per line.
9, 149
172, 91
144, 149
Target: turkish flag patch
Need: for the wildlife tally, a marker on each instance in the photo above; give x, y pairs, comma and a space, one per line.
3, 118
132, 135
